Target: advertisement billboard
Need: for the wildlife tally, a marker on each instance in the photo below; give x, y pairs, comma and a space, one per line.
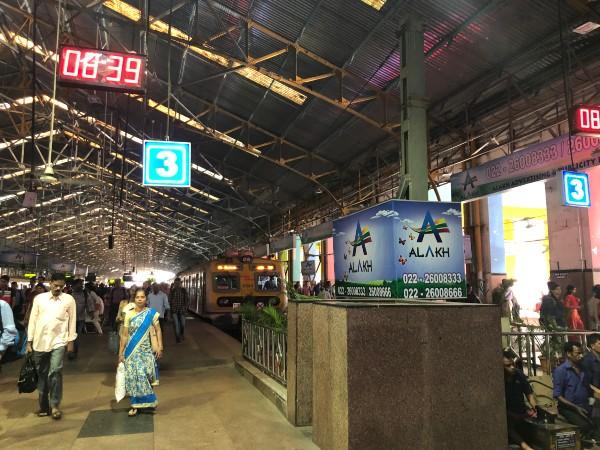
401, 249
534, 163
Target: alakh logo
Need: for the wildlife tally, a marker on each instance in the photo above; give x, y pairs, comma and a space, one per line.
361, 238
432, 227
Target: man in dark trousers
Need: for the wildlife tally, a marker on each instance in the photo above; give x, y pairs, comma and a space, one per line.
81, 302
516, 389
178, 301
552, 313
114, 296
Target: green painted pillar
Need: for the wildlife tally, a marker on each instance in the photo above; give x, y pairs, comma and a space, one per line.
414, 181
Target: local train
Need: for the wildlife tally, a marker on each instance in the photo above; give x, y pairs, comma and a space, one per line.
219, 287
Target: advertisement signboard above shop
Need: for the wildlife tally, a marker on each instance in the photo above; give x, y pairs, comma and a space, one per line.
534, 163
401, 249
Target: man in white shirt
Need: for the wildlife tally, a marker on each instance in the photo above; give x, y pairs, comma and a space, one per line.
51, 330
159, 301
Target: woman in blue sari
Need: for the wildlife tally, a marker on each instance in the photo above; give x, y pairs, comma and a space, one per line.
139, 334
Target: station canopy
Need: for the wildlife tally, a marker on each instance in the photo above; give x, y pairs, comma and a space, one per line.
291, 107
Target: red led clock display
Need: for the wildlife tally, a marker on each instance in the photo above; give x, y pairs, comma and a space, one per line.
586, 120
99, 69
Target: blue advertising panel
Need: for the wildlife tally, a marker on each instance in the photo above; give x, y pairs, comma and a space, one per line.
401, 249
167, 164
576, 189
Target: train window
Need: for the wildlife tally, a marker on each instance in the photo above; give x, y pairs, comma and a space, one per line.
226, 282
268, 282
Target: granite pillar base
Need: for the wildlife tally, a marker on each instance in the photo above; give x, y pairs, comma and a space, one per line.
299, 363
417, 375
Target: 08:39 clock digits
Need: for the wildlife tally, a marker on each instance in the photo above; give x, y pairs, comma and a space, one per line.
101, 69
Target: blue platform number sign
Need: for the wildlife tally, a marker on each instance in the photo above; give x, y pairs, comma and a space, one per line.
576, 189
167, 164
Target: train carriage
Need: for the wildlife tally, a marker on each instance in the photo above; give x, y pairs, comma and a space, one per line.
219, 287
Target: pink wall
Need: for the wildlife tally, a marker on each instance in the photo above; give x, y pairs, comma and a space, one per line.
594, 215
330, 276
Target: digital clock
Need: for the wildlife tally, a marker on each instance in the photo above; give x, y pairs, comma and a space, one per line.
586, 120
99, 69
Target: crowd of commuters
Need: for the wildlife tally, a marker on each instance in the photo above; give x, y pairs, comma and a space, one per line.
54, 318
557, 309
315, 289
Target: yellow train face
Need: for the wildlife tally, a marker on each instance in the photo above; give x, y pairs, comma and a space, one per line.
220, 288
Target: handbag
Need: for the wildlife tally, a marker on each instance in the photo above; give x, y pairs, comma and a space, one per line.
154, 340
120, 390
28, 376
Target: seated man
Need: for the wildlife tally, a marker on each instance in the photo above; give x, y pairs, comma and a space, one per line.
516, 389
572, 391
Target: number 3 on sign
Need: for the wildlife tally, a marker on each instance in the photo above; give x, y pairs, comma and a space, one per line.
167, 164
169, 160
576, 189
577, 193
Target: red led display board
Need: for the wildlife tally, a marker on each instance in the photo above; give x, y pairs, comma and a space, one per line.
99, 69
585, 120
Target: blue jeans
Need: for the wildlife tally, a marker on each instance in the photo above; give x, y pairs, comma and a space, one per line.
178, 324
50, 384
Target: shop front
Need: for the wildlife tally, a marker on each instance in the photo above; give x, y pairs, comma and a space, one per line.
520, 227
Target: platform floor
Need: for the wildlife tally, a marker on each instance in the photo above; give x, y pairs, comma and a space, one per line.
204, 403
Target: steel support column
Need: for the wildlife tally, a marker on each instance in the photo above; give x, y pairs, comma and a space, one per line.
413, 143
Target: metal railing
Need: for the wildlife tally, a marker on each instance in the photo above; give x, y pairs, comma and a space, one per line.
266, 348
541, 351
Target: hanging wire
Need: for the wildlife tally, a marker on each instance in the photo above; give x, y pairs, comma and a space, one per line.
58, 12
144, 45
124, 154
564, 61
168, 134
33, 91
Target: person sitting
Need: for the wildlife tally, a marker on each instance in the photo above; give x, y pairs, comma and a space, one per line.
516, 389
571, 390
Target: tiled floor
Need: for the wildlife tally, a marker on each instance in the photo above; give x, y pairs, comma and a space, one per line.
203, 403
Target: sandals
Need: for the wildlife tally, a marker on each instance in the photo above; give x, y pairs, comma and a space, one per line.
132, 412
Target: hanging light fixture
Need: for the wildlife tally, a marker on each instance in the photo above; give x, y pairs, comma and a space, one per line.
48, 175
